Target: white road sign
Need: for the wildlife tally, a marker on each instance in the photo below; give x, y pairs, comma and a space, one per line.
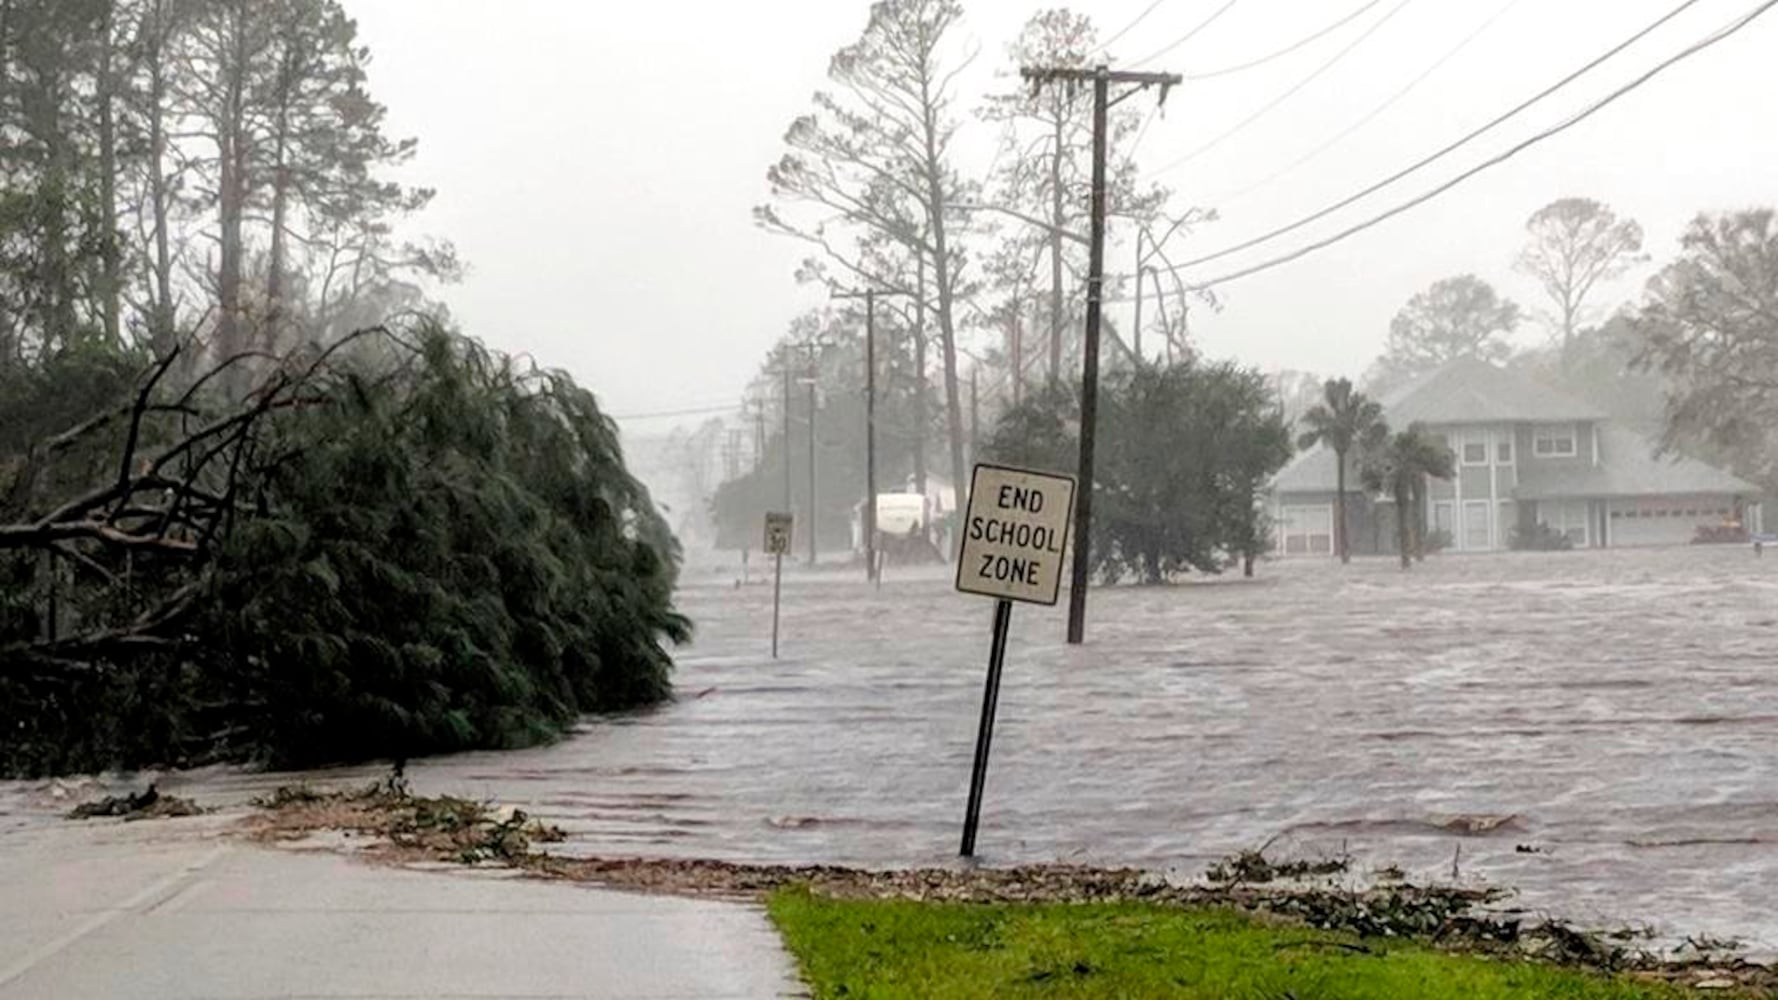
1015, 534
778, 527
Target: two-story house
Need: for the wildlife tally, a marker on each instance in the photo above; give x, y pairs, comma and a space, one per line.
1525, 454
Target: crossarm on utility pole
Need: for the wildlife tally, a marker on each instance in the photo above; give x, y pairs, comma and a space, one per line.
1102, 78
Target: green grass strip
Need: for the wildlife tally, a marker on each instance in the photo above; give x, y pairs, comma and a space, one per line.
897, 948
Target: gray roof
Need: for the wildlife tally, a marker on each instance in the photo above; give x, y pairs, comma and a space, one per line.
1628, 467
1472, 391
1311, 471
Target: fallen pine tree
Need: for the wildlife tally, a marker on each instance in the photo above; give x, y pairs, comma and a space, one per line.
398, 544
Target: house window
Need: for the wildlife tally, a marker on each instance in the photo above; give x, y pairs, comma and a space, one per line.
1503, 450
1475, 448
1478, 534
1443, 518
1554, 441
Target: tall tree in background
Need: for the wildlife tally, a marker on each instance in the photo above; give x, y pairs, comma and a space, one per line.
224, 55
296, 152
152, 174
52, 220
1710, 324
1455, 318
1345, 420
1576, 243
1045, 180
876, 156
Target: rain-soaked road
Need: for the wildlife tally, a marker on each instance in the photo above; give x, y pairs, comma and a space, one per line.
1621, 707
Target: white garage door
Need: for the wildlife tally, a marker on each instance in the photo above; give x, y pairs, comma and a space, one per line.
1664, 520
1306, 531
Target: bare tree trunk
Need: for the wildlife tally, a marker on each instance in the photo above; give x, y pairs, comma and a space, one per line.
1404, 526
110, 255
921, 419
274, 282
161, 331
232, 198
944, 275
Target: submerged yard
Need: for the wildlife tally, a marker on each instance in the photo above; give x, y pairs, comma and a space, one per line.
1592, 729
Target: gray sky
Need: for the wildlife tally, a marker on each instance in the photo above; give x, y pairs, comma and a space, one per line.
596, 162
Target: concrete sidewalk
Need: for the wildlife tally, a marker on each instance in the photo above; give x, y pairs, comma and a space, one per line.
164, 909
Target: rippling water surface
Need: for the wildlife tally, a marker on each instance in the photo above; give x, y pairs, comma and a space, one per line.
1614, 712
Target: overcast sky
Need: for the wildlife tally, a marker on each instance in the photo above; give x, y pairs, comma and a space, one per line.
596, 162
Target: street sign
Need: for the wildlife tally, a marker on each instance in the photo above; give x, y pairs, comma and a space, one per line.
1015, 534
778, 531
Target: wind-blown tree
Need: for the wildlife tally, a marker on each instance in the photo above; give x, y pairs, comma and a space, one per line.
875, 158
1709, 323
1456, 317
1575, 245
1399, 467
1345, 420
1600, 367
1041, 431
1185, 450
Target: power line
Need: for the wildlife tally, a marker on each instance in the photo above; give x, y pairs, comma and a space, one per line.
1300, 84
1563, 126
1448, 149
1373, 113
693, 412
1188, 36
1288, 49
1126, 29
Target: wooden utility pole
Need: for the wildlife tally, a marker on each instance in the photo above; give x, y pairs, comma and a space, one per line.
1102, 78
786, 448
869, 521
813, 518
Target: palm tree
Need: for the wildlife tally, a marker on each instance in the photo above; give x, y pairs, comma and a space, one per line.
1344, 420
1400, 468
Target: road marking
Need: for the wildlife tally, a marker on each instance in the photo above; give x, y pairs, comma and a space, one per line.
100, 919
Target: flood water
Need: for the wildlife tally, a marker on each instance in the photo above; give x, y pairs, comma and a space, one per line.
1598, 730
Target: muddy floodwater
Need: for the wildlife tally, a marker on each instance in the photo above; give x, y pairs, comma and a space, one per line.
1598, 730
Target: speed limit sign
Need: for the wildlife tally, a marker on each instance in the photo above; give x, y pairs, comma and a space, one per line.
778, 529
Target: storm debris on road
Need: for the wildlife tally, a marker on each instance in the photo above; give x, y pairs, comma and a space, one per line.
404, 828
149, 804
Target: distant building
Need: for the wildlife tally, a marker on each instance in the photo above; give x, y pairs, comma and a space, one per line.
1525, 455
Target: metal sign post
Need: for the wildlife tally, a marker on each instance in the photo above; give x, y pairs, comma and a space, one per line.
1015, 543
779, 527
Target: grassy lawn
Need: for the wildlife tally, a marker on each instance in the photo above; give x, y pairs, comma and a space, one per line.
891, 948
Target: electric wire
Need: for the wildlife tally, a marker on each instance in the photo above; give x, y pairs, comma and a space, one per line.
1573, 120
697, 411
1267, 108
1370, 116
1288, 49
1189, 35
1464, 140
1113, 40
